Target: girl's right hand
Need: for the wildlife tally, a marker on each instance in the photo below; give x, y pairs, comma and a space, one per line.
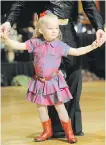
4, 36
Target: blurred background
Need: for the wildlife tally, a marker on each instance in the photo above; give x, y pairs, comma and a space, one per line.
19, 63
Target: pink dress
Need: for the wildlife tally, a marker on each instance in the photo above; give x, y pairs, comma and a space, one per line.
47, 59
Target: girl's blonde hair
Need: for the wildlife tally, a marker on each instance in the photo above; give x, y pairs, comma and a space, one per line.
43, 20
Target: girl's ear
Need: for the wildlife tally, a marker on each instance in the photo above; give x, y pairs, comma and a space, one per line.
40, 31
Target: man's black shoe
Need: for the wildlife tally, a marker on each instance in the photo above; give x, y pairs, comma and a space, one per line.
58, 135
62, 135
79, 134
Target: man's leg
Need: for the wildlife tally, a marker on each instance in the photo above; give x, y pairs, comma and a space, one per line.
74, 81
73, 108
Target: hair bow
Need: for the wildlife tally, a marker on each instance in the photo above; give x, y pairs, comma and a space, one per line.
44, 13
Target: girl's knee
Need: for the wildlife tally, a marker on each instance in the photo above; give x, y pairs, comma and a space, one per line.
59, 106
41, 107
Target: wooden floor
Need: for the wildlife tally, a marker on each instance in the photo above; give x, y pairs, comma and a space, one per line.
20, 122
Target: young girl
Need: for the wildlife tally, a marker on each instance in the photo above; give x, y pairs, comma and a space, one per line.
48, 86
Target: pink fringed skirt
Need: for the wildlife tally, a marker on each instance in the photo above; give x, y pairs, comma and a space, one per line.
50, 92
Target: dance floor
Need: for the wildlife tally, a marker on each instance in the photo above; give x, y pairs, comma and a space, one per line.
20, 122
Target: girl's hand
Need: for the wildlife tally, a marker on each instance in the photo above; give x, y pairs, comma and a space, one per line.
94, 45
4, 36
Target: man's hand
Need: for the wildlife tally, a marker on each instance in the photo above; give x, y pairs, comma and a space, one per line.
5, 28
100, 37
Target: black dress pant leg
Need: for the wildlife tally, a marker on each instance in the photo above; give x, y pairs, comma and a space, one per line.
74, 81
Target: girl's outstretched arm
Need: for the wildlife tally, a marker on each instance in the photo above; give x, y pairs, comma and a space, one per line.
12, 44
82, 50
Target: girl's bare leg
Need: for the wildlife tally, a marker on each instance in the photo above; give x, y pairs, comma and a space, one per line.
43, 113
46, 123
62, 112
65, 122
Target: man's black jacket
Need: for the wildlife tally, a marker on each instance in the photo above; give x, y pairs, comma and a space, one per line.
63, 9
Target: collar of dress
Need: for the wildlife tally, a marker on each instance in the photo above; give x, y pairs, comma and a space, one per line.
52, 43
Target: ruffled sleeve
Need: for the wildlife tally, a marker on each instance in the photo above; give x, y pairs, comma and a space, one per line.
31, 45
65, 48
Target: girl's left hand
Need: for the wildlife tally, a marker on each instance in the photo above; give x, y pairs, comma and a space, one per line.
94, 45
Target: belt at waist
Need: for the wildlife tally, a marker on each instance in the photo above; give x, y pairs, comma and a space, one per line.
63, 21
43, 79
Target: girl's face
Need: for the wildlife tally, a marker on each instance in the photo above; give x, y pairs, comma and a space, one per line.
50, 29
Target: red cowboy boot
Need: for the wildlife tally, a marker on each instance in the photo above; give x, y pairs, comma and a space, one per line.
47, 132
68, 131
